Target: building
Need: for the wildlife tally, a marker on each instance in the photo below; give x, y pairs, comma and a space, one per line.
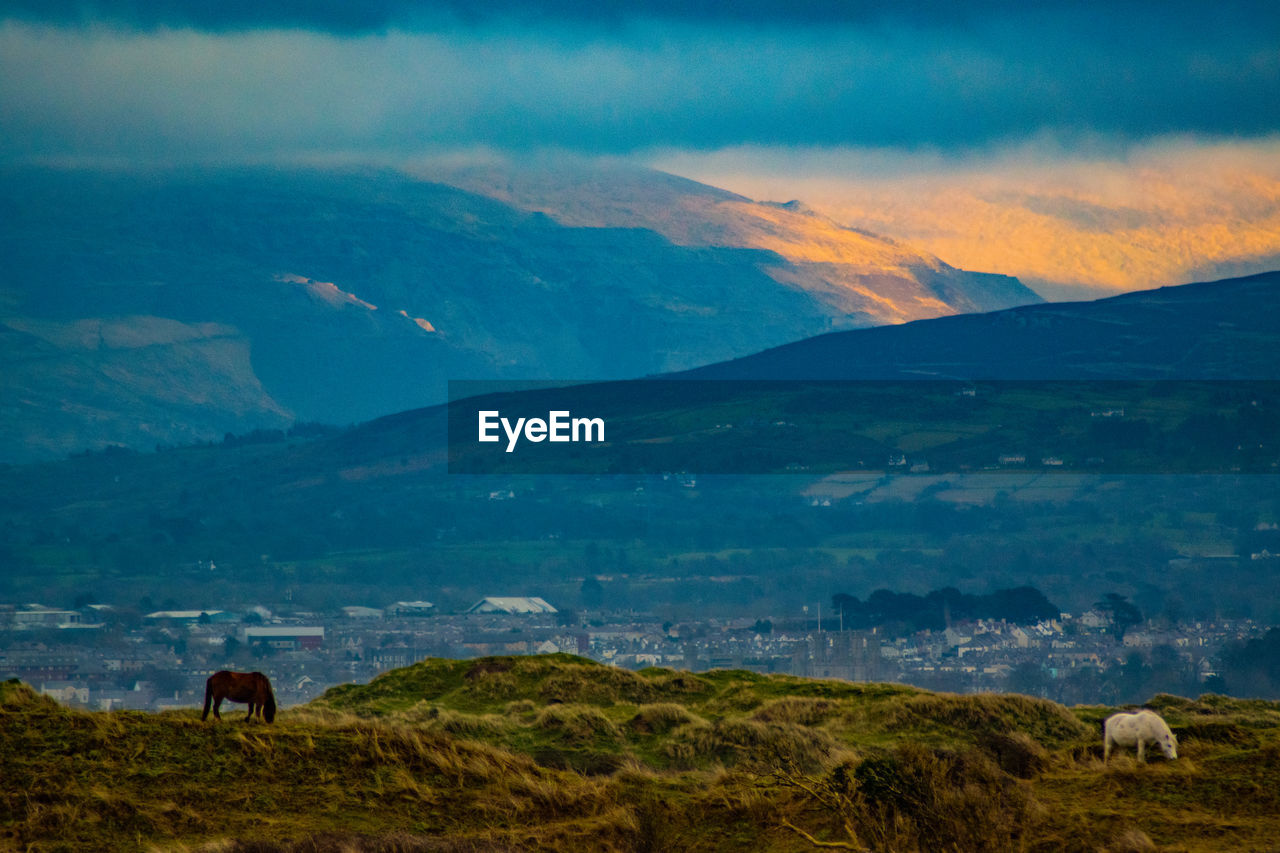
356, 611
511, 606
39, 664
285, 638
410, 608
66, 692
192, 616
846, 655
39, 616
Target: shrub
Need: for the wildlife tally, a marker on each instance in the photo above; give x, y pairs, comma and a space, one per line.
1015, 753
913, 798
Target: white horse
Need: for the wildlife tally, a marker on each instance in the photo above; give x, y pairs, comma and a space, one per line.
1138, 728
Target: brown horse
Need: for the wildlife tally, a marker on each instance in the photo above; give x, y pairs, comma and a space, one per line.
251, 687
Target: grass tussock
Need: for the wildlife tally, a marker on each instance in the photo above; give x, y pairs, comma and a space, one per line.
521, 708
661, 718
1131, 841
913, 798
579, 724
926, 799
460, 724
978, 714
351, 843
613, 686
1016, 753
797, 710
753, 743
16, 696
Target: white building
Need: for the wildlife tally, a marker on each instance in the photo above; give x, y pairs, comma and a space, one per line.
284, 638
410, 608
511, 606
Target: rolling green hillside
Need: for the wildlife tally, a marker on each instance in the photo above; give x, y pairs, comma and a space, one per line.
560, 753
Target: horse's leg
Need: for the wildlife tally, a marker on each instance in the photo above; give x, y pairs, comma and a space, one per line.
217, 707
250, 715
1141, 750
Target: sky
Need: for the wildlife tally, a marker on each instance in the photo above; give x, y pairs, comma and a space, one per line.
1085, 146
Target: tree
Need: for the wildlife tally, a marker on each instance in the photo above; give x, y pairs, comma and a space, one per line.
1022, 605
1029, 678
1124, 615
1253, 667
591, 592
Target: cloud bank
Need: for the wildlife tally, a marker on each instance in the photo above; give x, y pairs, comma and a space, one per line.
426, 15
1108, 145
109, 89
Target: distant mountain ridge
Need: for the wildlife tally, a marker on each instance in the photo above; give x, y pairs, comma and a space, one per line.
867, 280
1216, 330
383, 483
238, 299
1211, 330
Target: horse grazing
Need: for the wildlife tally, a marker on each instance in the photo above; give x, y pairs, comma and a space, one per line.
1138, 728
251, 687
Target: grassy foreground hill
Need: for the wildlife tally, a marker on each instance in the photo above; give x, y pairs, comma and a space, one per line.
560, 753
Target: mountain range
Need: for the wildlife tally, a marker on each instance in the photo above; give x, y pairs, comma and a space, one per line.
259, 504
168, 307
1220, 330
1226, 329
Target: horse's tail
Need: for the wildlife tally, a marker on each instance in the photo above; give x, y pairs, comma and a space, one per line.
208, 697
268, 699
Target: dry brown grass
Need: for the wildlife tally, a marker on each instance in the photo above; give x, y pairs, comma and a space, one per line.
352, 843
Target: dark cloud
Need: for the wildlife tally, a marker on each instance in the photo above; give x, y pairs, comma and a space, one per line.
236, 79
345, 16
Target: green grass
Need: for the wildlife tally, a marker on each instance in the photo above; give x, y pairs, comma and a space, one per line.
560, 753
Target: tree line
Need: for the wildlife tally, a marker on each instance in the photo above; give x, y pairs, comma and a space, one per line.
933, 611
